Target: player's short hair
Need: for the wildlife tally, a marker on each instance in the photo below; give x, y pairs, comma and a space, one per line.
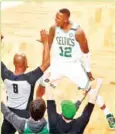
65, 11
37, 109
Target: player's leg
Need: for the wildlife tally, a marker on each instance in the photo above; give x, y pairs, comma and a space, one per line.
78, 75
52, 74
109, 116
7, 128
100, 102
40, 90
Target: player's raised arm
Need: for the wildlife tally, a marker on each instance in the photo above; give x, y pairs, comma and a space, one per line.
51, 35
46, 50
81, 38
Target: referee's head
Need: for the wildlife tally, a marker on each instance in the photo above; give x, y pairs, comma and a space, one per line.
37, 109
20, 62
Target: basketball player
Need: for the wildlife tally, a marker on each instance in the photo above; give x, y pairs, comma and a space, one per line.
20, 85
68, 45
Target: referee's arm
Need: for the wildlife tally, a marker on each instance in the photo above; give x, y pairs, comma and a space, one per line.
5, 73
34, 75
46, 52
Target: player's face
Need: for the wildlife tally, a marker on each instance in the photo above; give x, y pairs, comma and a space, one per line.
60, 19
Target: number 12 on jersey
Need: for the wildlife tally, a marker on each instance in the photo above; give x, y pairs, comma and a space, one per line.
66, 51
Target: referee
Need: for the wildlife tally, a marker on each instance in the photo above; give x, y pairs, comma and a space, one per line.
20, 85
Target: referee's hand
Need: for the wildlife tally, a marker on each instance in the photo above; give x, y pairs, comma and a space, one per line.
43, 36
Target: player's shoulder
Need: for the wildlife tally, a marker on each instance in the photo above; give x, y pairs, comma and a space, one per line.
79, 31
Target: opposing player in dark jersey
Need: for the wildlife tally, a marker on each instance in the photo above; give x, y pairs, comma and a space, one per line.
20, 85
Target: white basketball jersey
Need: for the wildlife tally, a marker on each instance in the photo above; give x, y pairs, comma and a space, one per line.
65, 48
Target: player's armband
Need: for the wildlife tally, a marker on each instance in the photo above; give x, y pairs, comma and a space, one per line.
87, 62
41, 81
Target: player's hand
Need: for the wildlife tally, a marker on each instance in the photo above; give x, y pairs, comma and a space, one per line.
43, 36
90, 76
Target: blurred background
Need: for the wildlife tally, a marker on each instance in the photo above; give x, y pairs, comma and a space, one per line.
21, 23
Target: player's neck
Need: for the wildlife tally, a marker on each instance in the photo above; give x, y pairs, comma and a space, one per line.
67, 26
